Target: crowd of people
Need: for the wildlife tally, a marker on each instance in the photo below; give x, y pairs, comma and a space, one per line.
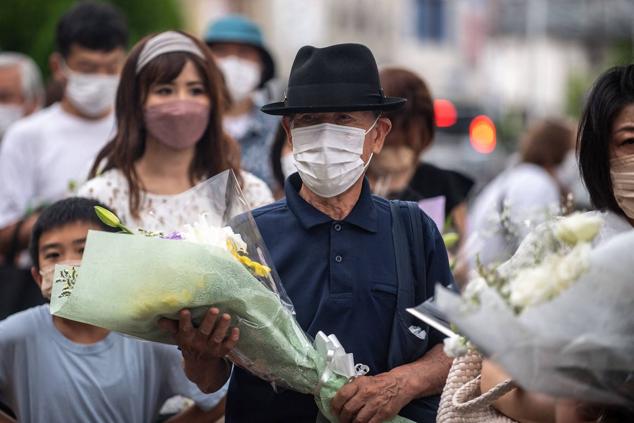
333, 171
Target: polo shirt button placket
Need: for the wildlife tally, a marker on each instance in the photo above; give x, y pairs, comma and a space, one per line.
337, 227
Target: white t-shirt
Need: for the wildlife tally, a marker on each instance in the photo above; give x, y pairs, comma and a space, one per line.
165, 213
515, 202
43, 155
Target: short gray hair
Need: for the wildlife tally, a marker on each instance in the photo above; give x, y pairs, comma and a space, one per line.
32, 86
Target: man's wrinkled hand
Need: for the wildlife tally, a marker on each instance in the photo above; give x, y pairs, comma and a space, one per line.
372, 399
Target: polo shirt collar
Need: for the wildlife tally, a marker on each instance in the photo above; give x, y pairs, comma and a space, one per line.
363, 214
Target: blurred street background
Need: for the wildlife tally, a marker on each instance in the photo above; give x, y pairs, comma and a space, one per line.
506, 62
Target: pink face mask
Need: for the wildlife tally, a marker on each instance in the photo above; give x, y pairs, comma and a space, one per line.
178, 124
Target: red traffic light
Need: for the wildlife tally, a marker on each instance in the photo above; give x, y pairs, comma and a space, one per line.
445, 113
482, 134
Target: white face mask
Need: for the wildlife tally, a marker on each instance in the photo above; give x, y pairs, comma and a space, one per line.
622, 173
241, 76
92, 94
328, 157
288, 165
47, 274
9, 113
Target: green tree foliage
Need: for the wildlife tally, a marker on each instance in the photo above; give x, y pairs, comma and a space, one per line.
621, 52
28, 26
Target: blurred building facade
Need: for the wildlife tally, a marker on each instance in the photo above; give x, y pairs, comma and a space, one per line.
504, 54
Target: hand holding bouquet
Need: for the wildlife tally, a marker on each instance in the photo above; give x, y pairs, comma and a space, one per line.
127, 283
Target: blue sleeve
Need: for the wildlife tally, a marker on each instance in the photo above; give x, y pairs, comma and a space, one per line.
15, 333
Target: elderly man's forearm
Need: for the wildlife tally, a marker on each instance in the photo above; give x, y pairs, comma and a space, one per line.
425, 376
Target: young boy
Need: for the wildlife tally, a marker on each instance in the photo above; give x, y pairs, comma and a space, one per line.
57, 370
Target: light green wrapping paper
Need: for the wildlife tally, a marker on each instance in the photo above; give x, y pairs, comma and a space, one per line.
127, 282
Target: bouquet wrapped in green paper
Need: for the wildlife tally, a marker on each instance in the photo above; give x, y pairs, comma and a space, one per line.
126, 283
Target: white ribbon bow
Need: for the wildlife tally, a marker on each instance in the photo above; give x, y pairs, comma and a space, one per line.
337, 360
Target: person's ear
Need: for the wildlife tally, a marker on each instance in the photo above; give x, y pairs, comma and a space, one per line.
35, 272
382, 128
56, 64
286, 124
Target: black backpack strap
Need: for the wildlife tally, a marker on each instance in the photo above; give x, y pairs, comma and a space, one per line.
418, 251
406, 343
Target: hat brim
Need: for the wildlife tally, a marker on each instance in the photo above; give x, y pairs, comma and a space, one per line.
281, 108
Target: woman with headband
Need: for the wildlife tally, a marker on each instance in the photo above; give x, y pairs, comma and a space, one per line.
168, 137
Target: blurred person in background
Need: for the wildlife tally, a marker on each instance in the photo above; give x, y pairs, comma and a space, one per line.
44, 155
248, 68
522, 196
21, 88
169, 137
281, 161
398, 173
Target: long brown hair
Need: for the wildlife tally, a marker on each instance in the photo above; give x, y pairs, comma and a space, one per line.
215, 151
413, 125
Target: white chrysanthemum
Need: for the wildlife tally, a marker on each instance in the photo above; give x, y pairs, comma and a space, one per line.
475, 287
532, 286
573, 265
202, 232
578, 227
455, 346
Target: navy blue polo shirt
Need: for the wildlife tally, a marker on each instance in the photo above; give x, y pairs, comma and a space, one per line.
341, 278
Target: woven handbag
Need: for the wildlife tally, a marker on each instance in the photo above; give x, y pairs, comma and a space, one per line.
462, 401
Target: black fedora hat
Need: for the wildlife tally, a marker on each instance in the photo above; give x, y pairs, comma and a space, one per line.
339, 78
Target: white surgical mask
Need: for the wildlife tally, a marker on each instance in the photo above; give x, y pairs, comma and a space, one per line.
241, 76
9, 113
92, 94
622, 173
288, 165
328, 157
47, 274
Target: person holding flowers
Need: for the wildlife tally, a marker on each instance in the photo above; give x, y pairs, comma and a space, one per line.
605, 148
345, 264
169, 137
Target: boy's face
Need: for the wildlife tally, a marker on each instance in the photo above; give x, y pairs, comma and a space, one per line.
64, 244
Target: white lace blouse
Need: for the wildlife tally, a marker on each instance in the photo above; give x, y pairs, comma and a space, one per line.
164, 213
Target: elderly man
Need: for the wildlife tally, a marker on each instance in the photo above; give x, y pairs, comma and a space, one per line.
350, 262
21, 89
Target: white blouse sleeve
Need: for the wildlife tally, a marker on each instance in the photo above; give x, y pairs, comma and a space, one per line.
255, 190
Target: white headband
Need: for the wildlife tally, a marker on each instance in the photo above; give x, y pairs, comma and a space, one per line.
166, 42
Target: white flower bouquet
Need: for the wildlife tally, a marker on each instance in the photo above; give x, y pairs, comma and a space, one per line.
558, 315
126, 283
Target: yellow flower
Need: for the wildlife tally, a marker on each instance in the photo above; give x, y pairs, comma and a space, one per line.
256, 268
